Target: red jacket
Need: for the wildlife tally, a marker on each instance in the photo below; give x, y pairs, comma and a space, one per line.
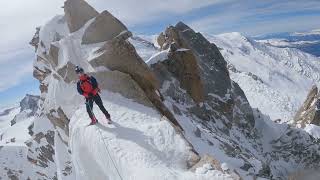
87, 85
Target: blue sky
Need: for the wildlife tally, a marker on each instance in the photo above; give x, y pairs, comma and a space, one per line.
249, 17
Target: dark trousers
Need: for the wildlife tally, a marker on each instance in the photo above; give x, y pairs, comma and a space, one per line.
98, 101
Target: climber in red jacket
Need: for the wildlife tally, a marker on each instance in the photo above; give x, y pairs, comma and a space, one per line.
88, 87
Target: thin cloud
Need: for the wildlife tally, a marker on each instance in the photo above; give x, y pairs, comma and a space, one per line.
262, 17
18, 20
14, 73
134, 12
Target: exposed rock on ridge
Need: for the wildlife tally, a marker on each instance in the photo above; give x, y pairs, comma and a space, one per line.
77, 13
308, 114
103, 28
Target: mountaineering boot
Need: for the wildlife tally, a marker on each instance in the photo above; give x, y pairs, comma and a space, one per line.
108, 118
93, 121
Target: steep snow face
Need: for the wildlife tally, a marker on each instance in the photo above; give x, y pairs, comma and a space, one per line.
146, 46
275, 80
138, 145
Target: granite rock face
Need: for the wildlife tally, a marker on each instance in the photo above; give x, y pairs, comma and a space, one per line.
200, 69
223, 118
119, 55
78, 13
103, 28
308, 112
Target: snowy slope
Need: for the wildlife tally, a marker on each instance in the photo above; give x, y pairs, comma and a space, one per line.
14, 132
138, 142
146, 44
14, 121
269, 150
275, 80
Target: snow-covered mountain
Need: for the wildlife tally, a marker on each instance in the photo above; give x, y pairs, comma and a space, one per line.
305, 41
275, 80
15, 123
179, 116
18, 116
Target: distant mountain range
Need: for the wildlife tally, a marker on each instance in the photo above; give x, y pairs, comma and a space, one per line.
306, 41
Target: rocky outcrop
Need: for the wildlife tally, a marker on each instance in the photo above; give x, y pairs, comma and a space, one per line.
223, 109
122, 83
207, 160
201, 70
67, 73
77, 13
35, 40
41, 152
308, 114
53, 55
28, 107
119, 55
104, 28
60, 119
30, 102
185, 68
41, 73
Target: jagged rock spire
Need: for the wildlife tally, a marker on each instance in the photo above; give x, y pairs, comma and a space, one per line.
77, 13
308, 114
105, 27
